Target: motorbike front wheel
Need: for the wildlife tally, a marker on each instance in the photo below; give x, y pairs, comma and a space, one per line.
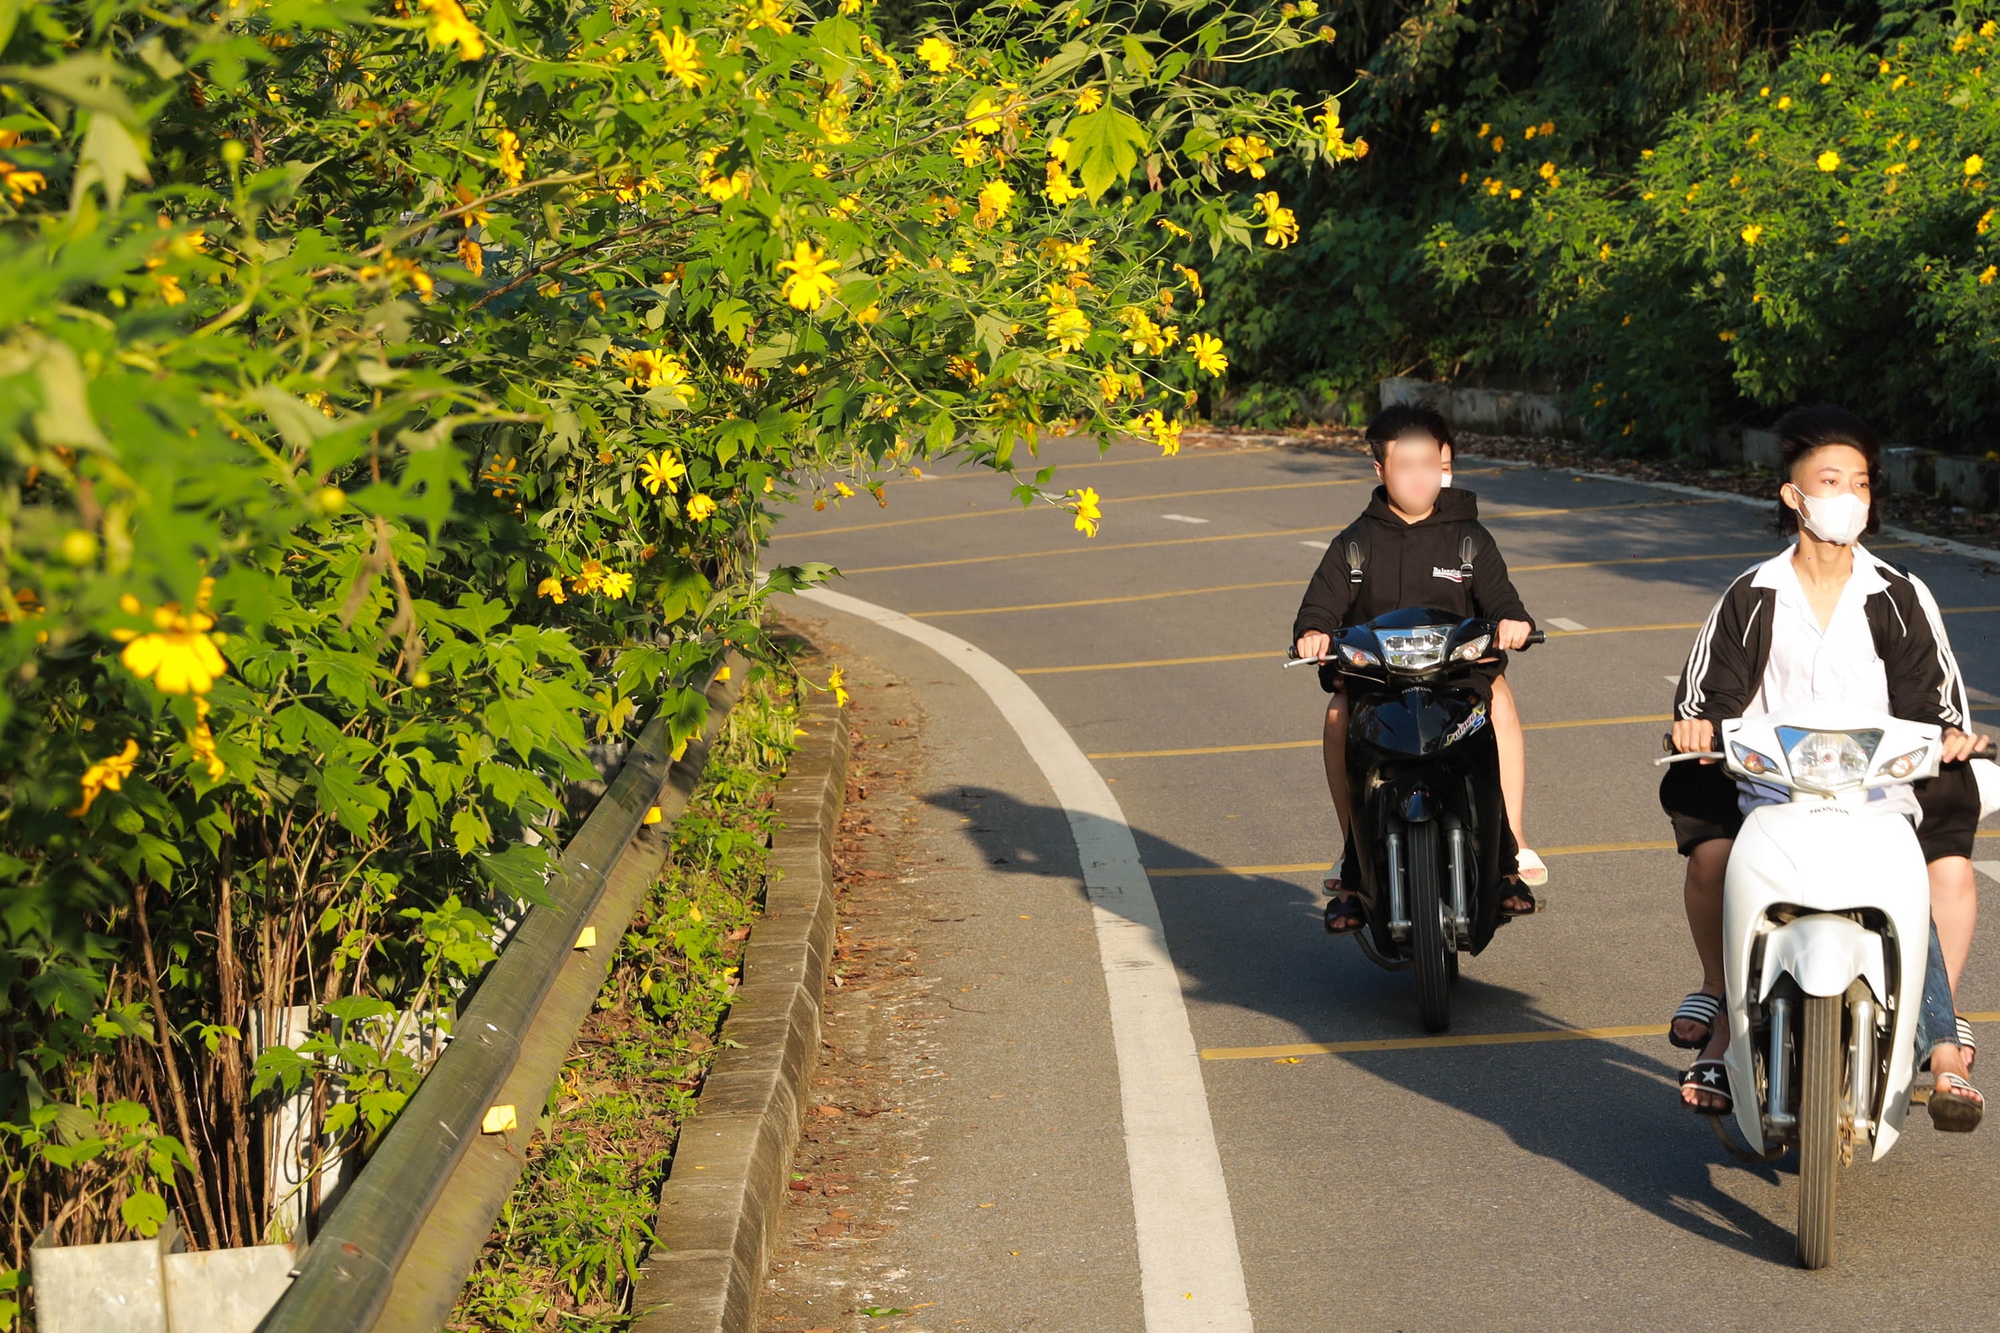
1427, 944
1821, 1078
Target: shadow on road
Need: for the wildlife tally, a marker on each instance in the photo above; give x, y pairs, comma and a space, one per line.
1599, 1109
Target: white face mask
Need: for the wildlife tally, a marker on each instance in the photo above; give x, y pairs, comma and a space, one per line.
1834, 518
1446, 483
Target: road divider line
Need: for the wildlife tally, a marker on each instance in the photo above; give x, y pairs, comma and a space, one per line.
1190, 1268
1051, 509
1315, 867
1315, 744
1431, 1043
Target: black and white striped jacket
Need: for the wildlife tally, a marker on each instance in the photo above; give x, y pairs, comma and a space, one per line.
1726, 666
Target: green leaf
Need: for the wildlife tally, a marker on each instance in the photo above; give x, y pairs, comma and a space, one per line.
110, 157
1104, 146
145, 1212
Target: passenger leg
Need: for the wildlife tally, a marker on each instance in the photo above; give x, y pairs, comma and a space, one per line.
1702, 895
1343, 909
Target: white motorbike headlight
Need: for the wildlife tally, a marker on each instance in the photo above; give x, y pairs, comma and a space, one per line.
1751, 762
1414, 649
1473, 650
1828, 761
1360, 657
1905, 764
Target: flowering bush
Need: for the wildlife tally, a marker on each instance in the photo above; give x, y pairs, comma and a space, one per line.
392, 398
1823, 232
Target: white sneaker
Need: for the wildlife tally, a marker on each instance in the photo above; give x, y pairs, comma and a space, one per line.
1533, 873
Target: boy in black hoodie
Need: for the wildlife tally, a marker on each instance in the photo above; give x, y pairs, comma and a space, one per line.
1409, 547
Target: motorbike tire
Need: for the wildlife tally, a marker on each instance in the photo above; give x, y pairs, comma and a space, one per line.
1427, 946
1821, 1077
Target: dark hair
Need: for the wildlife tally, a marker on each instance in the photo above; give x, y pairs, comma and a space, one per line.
1399, 419
1805, 430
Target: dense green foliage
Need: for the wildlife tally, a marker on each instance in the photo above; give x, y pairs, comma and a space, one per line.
390, 400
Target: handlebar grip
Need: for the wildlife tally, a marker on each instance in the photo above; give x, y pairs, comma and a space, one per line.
1535, 637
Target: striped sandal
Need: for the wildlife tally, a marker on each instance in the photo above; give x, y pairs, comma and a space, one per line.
1699, 1007
1966, 1041
1956, 1106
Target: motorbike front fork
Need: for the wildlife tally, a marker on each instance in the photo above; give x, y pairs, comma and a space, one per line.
1458, 857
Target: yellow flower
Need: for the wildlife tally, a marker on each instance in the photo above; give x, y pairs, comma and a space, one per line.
202, 741
983, 116
970, 149
1165, 433
511, 165
1513, 194
1089, 100
724, 188
1068, 327
960, 263
848, 7
1547, 170
661, 471
681, 57
473, 256
699, 507
1281, 226
1828, 161
832, 121
1329, 127
1751, 233
837, 682
765, 14
1985, 221
1172, 228
1193, 279
1974, 165
1110, 383
20, 184
649, 368
449, 24
1604, 251
551, 588
1727, 335
170, 288
107, 774
1986, 278
1060, 189
1207, 349
1059, 149
1499, 142
1142, 332
617, 585
935, 52
843, 490
810, 279
180, 658
871, 314
1246, 154
1088, 515
590, 579
996, 199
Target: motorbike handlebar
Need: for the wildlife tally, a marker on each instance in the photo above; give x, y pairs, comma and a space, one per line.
1291, 660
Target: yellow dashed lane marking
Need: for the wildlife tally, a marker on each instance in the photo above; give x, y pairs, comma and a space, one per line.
1315, 744
1102, 601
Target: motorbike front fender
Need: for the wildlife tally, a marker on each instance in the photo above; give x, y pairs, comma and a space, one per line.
1824, 954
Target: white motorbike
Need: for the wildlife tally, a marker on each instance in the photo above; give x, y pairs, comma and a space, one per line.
1825, 932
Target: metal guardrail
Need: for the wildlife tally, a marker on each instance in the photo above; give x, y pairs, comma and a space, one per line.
348, 1271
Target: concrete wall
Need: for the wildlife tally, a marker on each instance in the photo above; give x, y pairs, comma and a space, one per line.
1487, 411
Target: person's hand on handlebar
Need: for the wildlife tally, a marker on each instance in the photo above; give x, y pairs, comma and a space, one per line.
1512, 635
1693, 735
1958, 745
1313, 644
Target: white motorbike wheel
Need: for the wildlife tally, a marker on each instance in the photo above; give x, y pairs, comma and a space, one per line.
1427, 946
1821, 1077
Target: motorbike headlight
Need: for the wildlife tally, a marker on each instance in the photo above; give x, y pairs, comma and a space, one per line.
1905, 764
1414, 649
1828, 761
1360, 657
1472, 650
1747, 759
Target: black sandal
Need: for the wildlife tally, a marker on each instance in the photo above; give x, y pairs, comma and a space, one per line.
1711, 1077
1344, 907
1699, 1007
1516, 889
1956, 1106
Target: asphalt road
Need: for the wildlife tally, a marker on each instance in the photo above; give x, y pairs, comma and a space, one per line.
1514, 1185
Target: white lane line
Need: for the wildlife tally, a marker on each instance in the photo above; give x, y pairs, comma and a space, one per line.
1990, 869
1317, 546
1190, 1270
1674, 681
1184, 518
1564, 622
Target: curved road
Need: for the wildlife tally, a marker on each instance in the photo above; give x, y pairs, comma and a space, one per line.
1490, 1179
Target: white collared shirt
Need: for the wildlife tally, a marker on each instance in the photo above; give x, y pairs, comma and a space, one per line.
1808, 664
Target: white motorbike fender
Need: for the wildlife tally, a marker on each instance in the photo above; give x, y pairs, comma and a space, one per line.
1824, 954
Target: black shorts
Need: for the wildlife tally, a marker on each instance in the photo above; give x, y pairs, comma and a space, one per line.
1700, 799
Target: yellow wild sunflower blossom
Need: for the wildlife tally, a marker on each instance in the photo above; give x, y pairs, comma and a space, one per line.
1068, 327
511, 164
661, 471
590, 578
721, 188
1334, 136
970, 149
996, 200
107, 774
20, 184
681, 58
617, 585
449, 25
960, 263
1110, 384
832, 121
1192, 278
983, 116
1828, 161
843, 490
1281, 225
1088, 515
1089, 100
837, 682
1208, 354
1246, 153
552, 588
1985, 221
1165, 433
170, 288
1752, 233
1974, 165
473, 255
1060, 189
699, 507
809, 280
654, 368
397, 269
935, 52
766, 14
1144, 335
1986, 278
1072, 255
202, 741
179, 655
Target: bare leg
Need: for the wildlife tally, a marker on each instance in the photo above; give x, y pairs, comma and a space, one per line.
1335, 754
1955, 909
1513, 747
1702, 894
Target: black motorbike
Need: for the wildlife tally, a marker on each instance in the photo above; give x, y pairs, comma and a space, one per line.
1429, 842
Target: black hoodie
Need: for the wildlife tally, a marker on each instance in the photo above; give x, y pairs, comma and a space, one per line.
1410, 564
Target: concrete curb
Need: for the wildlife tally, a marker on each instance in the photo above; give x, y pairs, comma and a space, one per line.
720, 1207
